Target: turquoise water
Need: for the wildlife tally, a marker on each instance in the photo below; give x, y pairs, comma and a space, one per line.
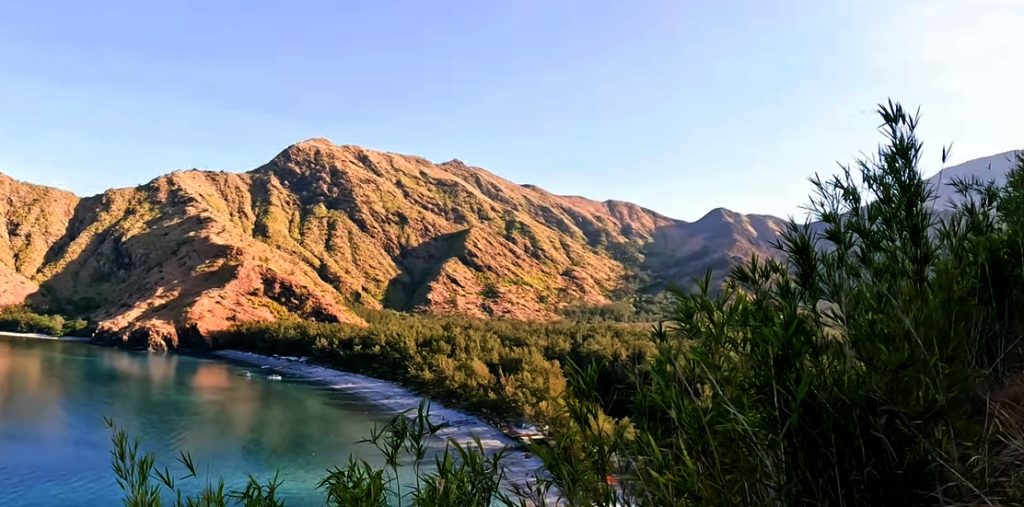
54, 445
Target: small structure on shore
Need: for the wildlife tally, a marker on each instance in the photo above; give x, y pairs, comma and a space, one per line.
525, 432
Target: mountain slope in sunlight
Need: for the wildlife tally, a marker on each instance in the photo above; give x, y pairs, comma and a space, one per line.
322, 229
32, 219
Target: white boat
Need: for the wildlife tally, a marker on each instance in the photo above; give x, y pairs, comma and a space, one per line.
273, 376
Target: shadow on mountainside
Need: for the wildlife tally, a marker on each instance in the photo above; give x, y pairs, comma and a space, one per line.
680, 254
158, 272
86, 212
420, 265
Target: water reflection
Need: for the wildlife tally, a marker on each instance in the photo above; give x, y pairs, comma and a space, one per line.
54, 395
26, 394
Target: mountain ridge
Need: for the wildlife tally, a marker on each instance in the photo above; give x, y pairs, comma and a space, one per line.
321, 229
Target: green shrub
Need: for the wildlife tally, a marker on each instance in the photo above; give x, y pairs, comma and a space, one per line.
858, 370
20, 319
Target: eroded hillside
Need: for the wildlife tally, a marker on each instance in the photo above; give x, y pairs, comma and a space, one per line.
32, 219
322, 228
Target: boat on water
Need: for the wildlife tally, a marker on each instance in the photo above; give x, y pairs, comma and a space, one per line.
273, 376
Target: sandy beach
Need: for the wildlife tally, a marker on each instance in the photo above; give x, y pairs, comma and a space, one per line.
461, 427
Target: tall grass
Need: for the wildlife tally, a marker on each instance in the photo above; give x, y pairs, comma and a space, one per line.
857, 370
146, 485
463, 475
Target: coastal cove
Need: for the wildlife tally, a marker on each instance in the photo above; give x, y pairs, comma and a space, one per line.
459, 426
508, 254
227, 409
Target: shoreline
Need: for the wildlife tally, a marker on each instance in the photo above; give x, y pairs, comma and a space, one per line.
521, 465
39, 336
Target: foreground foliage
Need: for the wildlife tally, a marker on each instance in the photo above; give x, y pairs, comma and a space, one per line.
460, 475
877, 362
873, 365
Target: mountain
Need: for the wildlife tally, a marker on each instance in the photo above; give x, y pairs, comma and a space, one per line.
719, 240
32, 219
991, 168
322, 229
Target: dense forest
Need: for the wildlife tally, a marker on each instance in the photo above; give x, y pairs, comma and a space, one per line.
876, 362
502, 368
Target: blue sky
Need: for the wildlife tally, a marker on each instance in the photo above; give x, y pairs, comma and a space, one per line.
678, 106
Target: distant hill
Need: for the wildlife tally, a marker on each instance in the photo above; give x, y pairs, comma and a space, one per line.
992, 168
685, 251
322, 229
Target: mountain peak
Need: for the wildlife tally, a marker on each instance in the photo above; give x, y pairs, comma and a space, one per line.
720, 214
313, 145
316, 141
317, 155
